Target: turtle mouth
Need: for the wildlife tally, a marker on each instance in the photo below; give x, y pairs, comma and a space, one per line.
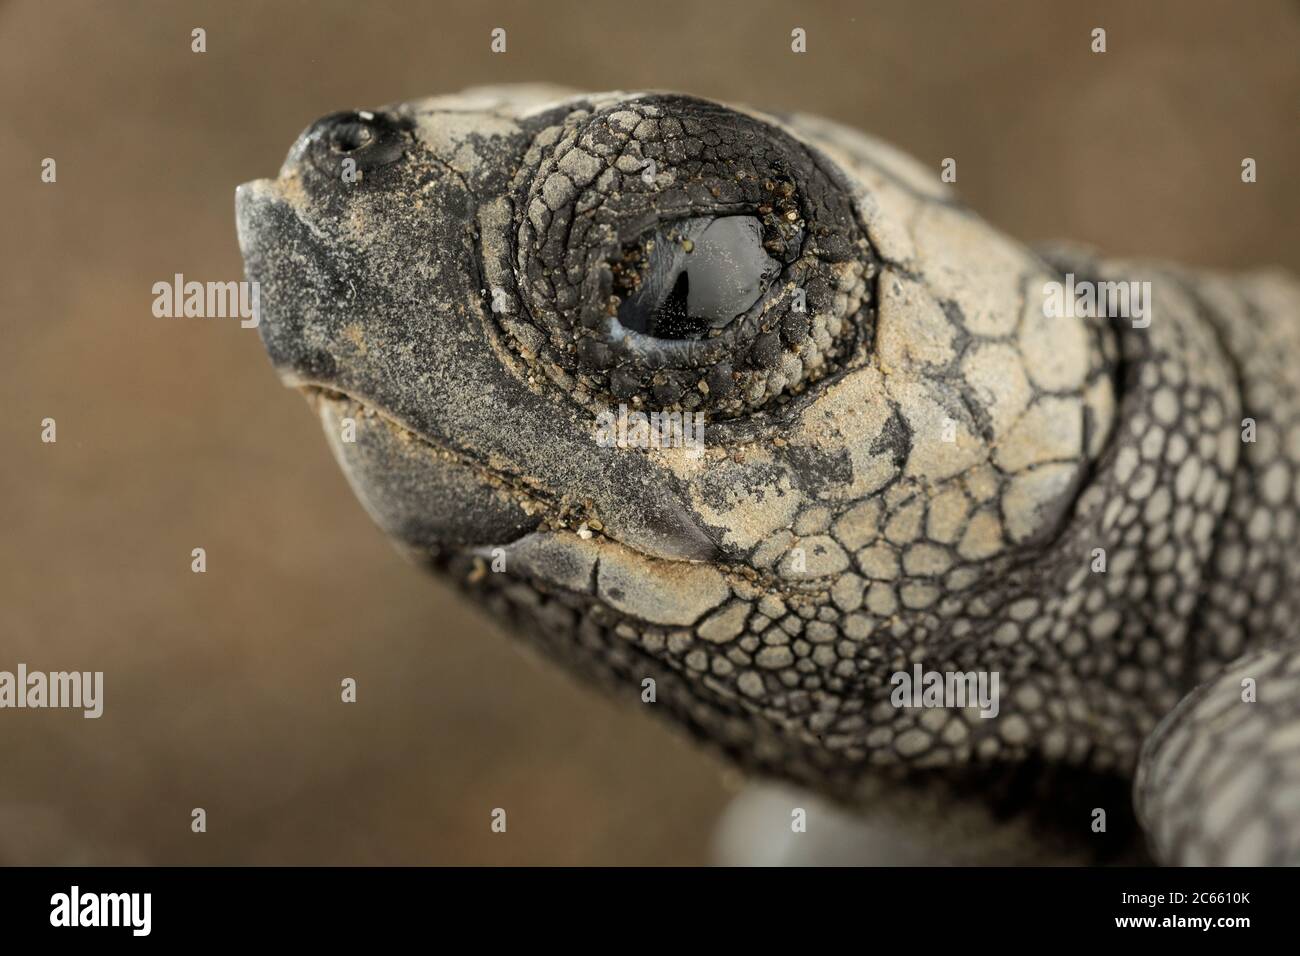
320, 397
438, 502
442, 504
430, 498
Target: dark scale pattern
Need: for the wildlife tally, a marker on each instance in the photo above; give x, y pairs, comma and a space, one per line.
1253, 594
1220, 778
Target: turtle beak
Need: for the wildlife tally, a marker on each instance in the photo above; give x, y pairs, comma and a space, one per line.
251, 201
283, 261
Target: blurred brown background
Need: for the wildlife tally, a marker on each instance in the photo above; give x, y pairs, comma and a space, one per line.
222, 689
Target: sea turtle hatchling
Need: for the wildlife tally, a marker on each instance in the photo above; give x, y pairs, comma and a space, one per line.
914, 462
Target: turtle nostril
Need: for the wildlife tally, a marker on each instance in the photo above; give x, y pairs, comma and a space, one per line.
350, 134
357, 140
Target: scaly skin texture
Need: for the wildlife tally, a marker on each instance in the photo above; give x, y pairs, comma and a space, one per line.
918, 466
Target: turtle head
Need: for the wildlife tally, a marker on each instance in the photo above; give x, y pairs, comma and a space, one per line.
752, 394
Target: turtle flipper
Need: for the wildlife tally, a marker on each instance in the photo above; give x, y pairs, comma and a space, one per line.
1219, 778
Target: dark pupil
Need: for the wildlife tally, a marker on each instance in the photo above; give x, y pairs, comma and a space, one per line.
692, 276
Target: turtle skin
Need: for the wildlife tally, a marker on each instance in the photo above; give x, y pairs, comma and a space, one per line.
912, 461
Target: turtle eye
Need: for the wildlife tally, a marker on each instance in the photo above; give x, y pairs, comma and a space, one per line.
692, 277
675, 254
